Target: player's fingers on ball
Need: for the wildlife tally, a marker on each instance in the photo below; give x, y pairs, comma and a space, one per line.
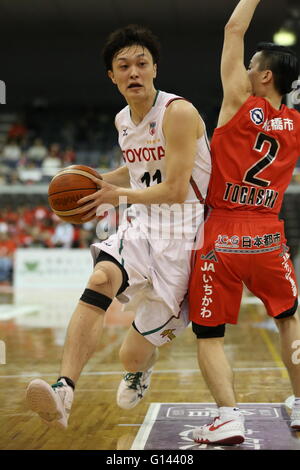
85, 199
82, 201
86, 207
96, 180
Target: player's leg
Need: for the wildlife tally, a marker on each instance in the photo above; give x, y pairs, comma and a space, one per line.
214, 364
215, 294
228, 427
275, 284
289, 331
85, 327
53, 403
138, 356
161, 315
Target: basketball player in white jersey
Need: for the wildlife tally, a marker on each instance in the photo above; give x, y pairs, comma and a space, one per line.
146, 264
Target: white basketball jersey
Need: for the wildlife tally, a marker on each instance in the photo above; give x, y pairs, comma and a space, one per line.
143, 148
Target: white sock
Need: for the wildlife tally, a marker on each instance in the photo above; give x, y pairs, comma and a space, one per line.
230, 412
297, 402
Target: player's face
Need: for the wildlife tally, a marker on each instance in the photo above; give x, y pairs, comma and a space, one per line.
133, 71
254, 72
259, 76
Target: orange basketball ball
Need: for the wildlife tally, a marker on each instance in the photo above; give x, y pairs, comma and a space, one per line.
67, 187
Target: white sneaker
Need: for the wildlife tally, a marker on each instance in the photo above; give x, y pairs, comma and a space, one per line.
289, 402
295, 413
229, 432
52, 402
295, 418
133, 388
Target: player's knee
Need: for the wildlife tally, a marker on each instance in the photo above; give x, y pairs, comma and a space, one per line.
99, 292
96, 300
107, 279
287, 313
99, 279
204, 332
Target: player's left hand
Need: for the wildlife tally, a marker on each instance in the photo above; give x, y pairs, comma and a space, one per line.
107, 194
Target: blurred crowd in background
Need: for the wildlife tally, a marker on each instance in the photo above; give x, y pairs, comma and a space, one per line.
34, 146
36, 226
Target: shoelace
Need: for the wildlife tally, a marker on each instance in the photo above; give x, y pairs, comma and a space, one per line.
134, 379
57, 385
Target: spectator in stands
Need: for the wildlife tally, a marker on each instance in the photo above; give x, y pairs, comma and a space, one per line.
86, 234
63, 236
7, 249
37, 152
69, 156
52, 163
68, 133
18, 130
11, 153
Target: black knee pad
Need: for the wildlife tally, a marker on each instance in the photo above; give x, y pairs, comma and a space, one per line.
288, 313
103, 256
203, 332
92, 297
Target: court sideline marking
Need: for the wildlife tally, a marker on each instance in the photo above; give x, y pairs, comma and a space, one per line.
120, 372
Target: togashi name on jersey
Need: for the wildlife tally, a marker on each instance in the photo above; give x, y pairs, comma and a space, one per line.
249, 195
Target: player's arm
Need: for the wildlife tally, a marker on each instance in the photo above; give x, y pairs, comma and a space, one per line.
119, 177
235, 80
182, 127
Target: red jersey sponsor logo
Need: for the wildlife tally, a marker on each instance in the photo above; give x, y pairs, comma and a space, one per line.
257, 116
279, 124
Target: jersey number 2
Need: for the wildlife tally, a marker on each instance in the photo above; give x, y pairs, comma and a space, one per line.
266, 160
146, 178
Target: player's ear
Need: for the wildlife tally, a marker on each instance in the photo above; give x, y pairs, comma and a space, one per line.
111, 76
154, 70
267, 76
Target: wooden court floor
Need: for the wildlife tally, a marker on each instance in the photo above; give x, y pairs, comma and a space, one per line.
96, 422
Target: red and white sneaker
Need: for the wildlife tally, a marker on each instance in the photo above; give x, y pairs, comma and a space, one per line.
295, 418
295, 412
227, 432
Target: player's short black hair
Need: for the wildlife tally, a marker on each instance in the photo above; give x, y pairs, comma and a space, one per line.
283, 62
130, 35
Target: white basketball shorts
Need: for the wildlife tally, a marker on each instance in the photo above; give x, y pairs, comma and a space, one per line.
158, 272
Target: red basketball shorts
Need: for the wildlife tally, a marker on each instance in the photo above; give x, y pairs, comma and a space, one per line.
235, 250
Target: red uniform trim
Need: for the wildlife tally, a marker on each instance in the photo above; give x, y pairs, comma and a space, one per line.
175, 99
197, 191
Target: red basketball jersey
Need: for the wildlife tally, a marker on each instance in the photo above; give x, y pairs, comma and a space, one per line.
253, 157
